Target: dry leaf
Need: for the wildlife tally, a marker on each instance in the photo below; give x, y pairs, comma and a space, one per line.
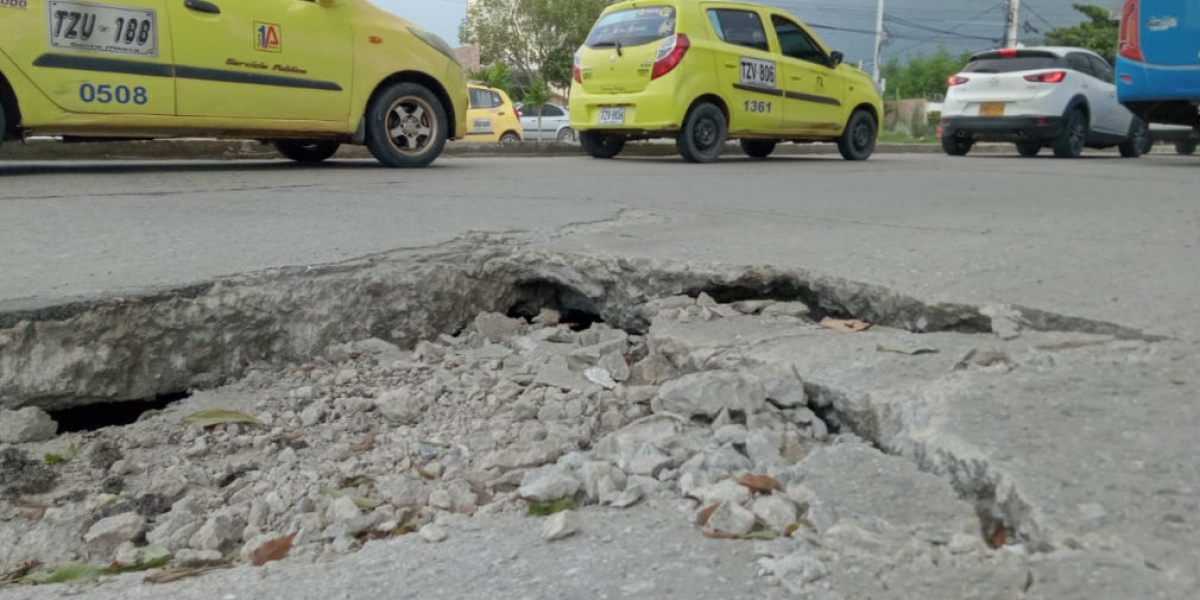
999, 537
762, 534
760, 484
212, 418
791, 529
276, 549
907, 351
847, 325
718, 534
706, 514
1072, 345
22, 570
366, 445
420, 471
170, 575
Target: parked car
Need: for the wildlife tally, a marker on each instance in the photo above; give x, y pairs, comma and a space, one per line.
492, 117
1158, 61
703, 73
1062, 98
306, 76
555, 124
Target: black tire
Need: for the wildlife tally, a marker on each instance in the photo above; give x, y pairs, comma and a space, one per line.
1139, 136
1186, 147
510, 138
956, 146
566, 136
599, 145
3, 123
1028, 149
704, 134
417, 117
1070, 142
859, 138
758, 148
308, 152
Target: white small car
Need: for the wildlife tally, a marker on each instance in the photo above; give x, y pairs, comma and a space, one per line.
555, 125
1061, 98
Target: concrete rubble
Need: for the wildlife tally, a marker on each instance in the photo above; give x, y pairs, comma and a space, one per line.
847, 465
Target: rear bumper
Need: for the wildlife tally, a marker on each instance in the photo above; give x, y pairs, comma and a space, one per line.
648, 112
1143, 82
1003, 129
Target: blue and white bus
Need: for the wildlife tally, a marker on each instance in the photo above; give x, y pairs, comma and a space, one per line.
1158, 61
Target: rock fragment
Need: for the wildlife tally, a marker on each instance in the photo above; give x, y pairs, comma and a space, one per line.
29, 424
107, 534
561, 525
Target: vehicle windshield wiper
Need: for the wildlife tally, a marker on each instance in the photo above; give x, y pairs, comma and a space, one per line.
610, 44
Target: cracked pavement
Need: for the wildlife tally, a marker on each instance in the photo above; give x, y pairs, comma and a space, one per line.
1084, 445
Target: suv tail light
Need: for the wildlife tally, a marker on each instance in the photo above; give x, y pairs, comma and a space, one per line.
1047, 77
670, 53
1129, 43
577, 70
954, 80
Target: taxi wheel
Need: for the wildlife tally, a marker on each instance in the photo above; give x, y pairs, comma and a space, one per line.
705, 131
3, 123
758, 148
858, 140
406, 126
510, 139
306, 151
598, 145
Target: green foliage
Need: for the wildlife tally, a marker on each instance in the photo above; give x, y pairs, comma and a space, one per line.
534, 37
921, 76
545, 509
499, 76
537, 95
1098, 33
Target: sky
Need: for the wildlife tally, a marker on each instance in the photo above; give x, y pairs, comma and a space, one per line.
921, 26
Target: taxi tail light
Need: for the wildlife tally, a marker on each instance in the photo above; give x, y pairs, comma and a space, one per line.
577, 70
670, 53
1048, 77
954, 80
1129, 40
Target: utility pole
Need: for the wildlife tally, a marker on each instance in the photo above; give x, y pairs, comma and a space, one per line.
1014, 21
878, 41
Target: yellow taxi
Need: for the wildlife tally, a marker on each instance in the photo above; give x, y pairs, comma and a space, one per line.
492, 116
705, 72
304, 75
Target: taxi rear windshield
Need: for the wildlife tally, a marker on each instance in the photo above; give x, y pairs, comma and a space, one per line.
633, 27
1020, 62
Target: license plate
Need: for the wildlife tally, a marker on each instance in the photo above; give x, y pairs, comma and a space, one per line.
757, 73
83, 26
991, 109
612, 116
481, 126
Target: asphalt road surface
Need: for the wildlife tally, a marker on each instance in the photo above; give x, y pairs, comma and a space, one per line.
1101, 237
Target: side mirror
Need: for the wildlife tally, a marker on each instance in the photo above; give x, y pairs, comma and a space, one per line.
836, 58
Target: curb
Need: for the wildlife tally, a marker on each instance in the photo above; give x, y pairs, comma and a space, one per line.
46, 149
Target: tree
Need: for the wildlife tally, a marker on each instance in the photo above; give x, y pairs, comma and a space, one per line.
534, 37
536, 97
1098, 34
921, 77
499, 76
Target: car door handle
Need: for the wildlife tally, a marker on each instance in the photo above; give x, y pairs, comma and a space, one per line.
202, 6
730, 65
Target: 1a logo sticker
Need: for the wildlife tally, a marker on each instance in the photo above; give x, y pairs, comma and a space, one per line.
268, 37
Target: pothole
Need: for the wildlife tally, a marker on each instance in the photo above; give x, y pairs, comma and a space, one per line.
353, 372
92, 417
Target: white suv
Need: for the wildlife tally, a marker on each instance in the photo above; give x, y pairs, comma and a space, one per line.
1064, 98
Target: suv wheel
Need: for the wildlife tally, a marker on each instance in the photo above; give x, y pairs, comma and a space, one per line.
406, 126
704, 134
1074, 134
1185, 147
758, 148
599, 145
1028, 149
956, 146
858, 140
306, 151
1139, 140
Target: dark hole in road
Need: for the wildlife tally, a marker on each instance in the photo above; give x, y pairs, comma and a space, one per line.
780, 289
574, 308
99, 416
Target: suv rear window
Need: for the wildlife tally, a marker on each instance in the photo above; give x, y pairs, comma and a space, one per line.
1011, 65
633, 27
